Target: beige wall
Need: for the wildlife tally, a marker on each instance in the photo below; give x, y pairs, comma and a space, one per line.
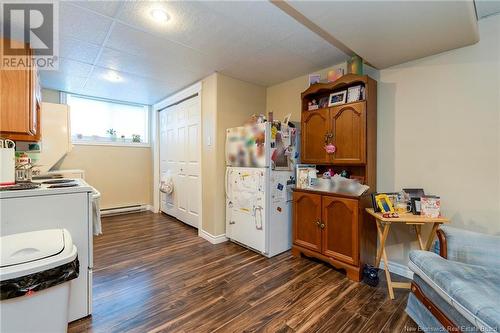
226, 102
236, 102
208, 153
123, 175
439, 128
284, 98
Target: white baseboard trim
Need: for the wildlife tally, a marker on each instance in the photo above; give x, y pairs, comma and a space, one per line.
151, 208
211, 238
399, 269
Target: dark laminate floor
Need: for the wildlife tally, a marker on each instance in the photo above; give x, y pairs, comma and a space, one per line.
153, 273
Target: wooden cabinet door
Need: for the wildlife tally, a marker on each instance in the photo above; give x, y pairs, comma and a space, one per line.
20, 103
349, 133
307, 220
340, 234
315, 126
15, 102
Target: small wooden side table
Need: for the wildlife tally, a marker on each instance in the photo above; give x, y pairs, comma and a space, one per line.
383, 226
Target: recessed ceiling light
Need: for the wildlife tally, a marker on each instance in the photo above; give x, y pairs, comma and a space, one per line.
113, 77
159, 15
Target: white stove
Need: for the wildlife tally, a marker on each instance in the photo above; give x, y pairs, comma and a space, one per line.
45, 186
46, 207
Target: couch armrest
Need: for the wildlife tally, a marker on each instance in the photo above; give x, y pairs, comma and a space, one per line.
469, 247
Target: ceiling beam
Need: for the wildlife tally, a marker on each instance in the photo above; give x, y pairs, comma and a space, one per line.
299, 17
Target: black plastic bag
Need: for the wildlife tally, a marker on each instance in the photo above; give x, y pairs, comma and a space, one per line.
31, 283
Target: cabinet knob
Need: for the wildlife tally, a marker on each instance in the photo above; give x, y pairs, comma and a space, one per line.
322, 226
318, 223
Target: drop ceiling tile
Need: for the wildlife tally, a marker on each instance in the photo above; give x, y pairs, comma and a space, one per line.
187, 19
74, 49
82, 24
261, 16
136, 42
313, 48
148, 65
74, 68
108, 8
131, 88
197, 26
61, 81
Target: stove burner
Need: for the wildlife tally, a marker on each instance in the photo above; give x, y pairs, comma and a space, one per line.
58, 181
63, 185
19, 187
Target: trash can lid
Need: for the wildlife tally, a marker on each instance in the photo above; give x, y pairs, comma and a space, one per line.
31, 252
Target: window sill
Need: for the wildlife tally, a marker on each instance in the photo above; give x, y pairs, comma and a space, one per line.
112, 144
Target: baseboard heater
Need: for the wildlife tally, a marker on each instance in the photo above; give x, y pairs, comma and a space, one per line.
124, 210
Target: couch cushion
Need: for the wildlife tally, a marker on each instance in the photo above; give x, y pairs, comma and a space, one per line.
473, 290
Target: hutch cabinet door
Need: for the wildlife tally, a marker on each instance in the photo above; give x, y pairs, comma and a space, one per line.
315, 127
340, 234
349, 133
307, 220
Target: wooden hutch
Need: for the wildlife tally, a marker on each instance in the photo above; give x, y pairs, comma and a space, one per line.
329, 226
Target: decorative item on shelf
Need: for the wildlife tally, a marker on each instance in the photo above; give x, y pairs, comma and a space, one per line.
270, 117
414, 195
304, 173
312, 105
112, 134
328, 174
430, 206
335, 74
136, 138
383, 203
354, 94
355, 65
337, 98
323, 102
314, 78
415, 206
344, 173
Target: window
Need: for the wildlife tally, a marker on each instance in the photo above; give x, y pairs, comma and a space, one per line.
99, 121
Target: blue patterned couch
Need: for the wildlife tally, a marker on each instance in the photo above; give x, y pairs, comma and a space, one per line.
459, 289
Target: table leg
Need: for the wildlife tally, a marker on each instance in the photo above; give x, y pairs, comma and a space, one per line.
383, 236
418, 231
431, 236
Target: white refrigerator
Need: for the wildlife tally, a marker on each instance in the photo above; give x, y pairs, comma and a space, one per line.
259, 172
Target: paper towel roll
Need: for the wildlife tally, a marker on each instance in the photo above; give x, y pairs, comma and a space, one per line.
7, 166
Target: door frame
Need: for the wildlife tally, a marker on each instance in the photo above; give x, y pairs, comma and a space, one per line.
195, 89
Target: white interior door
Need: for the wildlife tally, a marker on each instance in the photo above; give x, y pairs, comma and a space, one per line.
180, 151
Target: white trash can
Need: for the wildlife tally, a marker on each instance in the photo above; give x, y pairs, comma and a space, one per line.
35, 273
